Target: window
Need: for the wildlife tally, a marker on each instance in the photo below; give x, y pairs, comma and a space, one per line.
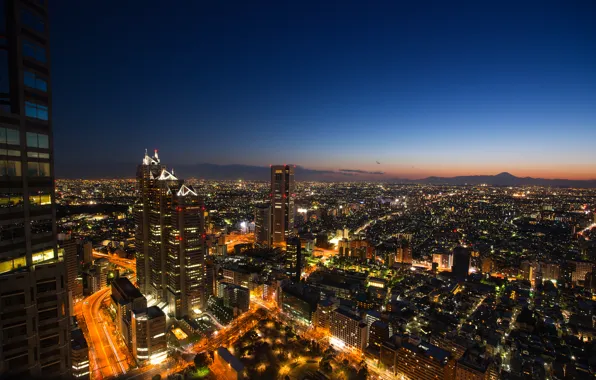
10, 152
39, 257
40, 199
12, 264
35, 110
10, 168
32, 20
42, 226
38, 155
37, 140
38, 169
34, 51
8, 199
33, 80
9, 136
4, 81
12, 231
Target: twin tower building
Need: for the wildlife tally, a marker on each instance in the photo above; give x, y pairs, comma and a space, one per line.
169, 239
170, 233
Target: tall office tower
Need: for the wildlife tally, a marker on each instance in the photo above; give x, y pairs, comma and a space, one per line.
34, 311
404, 253
263, 225
294, 258
169, 239
68, 247
147, 174
461, 263
210, 274
88, 252
152, 218
282, 202
186, 254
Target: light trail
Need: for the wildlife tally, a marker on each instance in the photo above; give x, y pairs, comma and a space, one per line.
113, 349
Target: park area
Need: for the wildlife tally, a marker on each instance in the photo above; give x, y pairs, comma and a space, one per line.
273, 350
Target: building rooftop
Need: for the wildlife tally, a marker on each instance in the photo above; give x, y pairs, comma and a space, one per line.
77, 340
428, 349
348, 314
154, 312
127, 288
230, 359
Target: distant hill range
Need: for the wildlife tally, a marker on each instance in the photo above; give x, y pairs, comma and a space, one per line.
250, 172
505, 179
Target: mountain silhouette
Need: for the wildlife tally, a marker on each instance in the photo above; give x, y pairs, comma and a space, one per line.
506, 179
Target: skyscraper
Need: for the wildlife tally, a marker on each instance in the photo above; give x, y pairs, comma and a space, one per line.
294, 258
34, 310
186, 253
404, 253
461, 262
147, 174
169, 239
151, 238
282, 202
263, 225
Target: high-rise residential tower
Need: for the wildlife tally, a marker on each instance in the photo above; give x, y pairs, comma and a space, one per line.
169, 239
282, 202
34, 310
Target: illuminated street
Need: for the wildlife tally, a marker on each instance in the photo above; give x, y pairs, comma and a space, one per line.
107, 360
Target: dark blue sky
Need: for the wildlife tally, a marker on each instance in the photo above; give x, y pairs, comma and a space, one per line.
426, 88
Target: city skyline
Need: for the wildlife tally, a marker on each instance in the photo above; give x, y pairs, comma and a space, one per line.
435, 90
370, 253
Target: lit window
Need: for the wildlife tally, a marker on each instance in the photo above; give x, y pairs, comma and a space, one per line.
12, 264
40, 199
35, 110
10, 168
38, 155
8, 199
42, 256
37, 140
10, 152
9, 136
38, 169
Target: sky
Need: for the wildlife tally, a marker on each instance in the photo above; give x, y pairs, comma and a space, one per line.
426, 88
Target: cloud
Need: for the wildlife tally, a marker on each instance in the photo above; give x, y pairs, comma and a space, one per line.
356, 171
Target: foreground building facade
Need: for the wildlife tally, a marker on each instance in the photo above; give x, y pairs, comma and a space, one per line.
34, 309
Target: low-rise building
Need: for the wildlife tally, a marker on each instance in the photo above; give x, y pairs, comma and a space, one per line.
424, 361
229, 364
79, 352
348, 329
149, 335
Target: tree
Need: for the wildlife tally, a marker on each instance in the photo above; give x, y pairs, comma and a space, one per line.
363, 373
202, 360
325, 366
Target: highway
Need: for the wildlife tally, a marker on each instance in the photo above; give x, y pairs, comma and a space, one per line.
106, 360
107, 355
